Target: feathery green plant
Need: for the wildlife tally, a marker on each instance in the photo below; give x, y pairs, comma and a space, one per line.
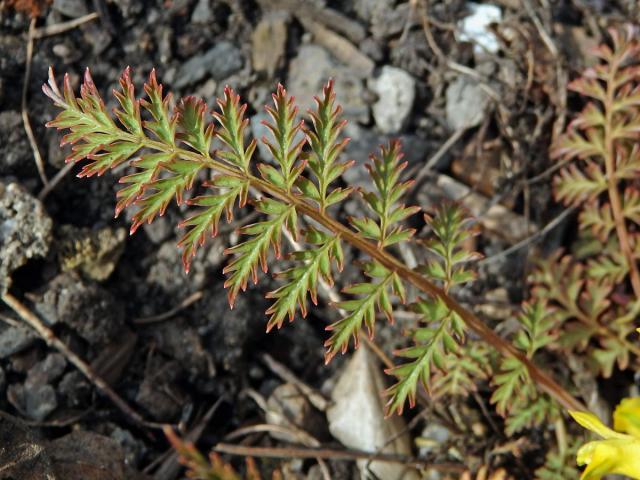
590, 288
438, 341
167, 148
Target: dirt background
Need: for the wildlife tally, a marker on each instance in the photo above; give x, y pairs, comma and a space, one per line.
476, 114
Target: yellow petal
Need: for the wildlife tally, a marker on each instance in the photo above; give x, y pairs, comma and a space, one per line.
589, 421
616, 455
626, 418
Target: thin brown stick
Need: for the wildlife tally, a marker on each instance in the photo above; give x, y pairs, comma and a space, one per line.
62, 27
23, 106
48, 188
333, 454
187, 302
435, 158
48, 336
314, 397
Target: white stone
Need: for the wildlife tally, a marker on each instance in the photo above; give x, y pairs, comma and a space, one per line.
396, 91
473, 28
466, 103
356, 417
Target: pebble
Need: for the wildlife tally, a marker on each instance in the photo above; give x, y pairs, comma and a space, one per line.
357, 419
309, 72
219, 62
47, 370
25, 230
36, 401
202, 12
269, 39
396, 91
466, 103
71, 8
14, 339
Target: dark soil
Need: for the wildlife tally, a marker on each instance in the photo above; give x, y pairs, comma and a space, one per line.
74, 266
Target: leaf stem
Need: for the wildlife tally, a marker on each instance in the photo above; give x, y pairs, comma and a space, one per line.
612, 184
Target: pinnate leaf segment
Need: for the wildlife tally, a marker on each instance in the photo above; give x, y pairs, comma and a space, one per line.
169, 148
596, 288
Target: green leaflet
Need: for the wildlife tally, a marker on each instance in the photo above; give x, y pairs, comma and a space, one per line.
433, 344
374, 297
194, 131
284, 148
516, 397
205, 222
326, 146
233, 122
92, 133
385, 172
252, 253
311, 266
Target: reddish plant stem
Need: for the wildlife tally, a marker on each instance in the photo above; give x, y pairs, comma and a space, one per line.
612, 183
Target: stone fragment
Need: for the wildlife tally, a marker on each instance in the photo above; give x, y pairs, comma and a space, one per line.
14, 339
268, 40
396, 91
466, 103
357, 418
88, 456
47, 370
36, 401
310, 70
85, 306
202, 13
71, 8
289, 408
94, 252
218, 63
25, 230
475, 27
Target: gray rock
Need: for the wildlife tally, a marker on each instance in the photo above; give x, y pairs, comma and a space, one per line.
36, 401
365, 141
466, 103
71, 8
396, 91
3, 381
357, 419
84, 306
25, 230
219, 62
40, 397
47, 370
370, 9
269, 41
74, 389
202, 13
310, 70
14, 339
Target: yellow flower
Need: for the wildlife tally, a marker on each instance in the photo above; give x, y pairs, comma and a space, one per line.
617, 452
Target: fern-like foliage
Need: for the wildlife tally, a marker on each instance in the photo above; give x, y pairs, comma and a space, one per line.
436, 343
515, 396
385, 230
595, 289
166, 148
